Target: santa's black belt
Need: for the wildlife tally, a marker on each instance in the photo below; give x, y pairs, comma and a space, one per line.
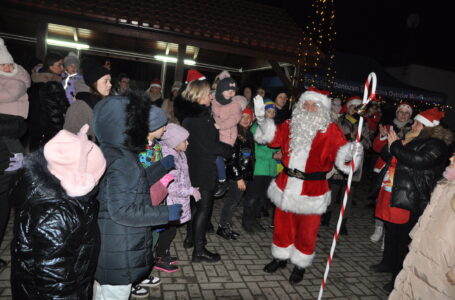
305, 176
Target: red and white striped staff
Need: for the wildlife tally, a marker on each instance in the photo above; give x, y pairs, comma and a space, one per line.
370, 85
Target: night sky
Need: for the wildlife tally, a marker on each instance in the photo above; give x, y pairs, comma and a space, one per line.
383, 30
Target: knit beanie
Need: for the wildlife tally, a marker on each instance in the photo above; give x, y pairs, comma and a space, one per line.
5, 56
174, 135
75, 160
71, 59
404, 107
248, 111
268, 103
176, 86
93, 71
157, 118
225, 84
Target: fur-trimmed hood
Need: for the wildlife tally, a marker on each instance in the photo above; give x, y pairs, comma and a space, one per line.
45, 77
122, 121
437, 132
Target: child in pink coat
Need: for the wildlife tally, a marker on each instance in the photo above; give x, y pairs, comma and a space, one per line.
227, 111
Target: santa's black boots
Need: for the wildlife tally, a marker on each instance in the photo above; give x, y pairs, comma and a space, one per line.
296, 275
272, 266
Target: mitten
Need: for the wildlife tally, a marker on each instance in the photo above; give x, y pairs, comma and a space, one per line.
15, 162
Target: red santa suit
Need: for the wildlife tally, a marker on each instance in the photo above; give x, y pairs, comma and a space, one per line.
300, 203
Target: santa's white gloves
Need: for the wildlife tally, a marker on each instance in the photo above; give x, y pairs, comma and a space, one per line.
349, 152
259, 109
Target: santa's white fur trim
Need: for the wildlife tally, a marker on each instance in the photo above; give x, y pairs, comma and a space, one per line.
282, 253
265, 132
425, 121
291, 200
298, 258
301, 259
316, 97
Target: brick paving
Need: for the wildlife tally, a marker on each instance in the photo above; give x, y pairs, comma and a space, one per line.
239, 275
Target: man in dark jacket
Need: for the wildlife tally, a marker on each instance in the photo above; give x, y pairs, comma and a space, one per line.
126, 214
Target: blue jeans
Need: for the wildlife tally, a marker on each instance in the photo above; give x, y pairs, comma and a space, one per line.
220, 168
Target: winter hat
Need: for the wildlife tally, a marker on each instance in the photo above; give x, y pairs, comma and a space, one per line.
317, 96
157, 118
176, 86
404, 107
194, 75
248, 111
155, 83
81, 87
268, 103
174, 135
92, 71
430, 117
71, 59
225, 84
354, 101
5, 56
75, 160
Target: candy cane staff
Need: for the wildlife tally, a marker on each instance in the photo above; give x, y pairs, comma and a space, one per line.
370, 85
311, 144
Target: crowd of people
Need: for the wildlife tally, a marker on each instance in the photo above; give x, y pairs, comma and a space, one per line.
111, 173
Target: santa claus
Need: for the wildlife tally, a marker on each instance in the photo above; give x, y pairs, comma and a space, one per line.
311, 144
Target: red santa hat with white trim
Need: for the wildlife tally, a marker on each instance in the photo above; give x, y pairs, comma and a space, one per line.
318, 96
406, 107
155, 83
194, 74
355, 100
430, 117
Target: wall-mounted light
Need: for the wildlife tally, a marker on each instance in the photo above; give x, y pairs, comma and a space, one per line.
66, 44
173, 60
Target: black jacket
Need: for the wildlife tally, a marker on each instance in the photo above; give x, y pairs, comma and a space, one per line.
420, 164
126, 214
282, 114
48, 105
11, 129
240, 165
204, 145
56, 237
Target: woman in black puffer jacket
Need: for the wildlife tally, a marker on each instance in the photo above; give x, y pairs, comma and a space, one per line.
414, 165
56, 237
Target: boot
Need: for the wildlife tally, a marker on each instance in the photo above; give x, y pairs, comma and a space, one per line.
204, 255
378, 231
221, 189
235, 234
296, 275
343, 228
272, 266
325, 218
225, 232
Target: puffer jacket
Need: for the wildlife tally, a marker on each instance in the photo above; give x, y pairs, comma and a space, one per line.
56, 237
180, 189
240, 165
431, 252
48, 105
13, 92
126, 214
420, 165
227, 117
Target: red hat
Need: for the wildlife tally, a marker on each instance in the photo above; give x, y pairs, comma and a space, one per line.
248, 111
194, 74
316, 95
404, 107
156, 83
430, 117
355, 100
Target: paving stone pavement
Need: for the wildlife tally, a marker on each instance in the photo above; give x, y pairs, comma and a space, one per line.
240, 276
